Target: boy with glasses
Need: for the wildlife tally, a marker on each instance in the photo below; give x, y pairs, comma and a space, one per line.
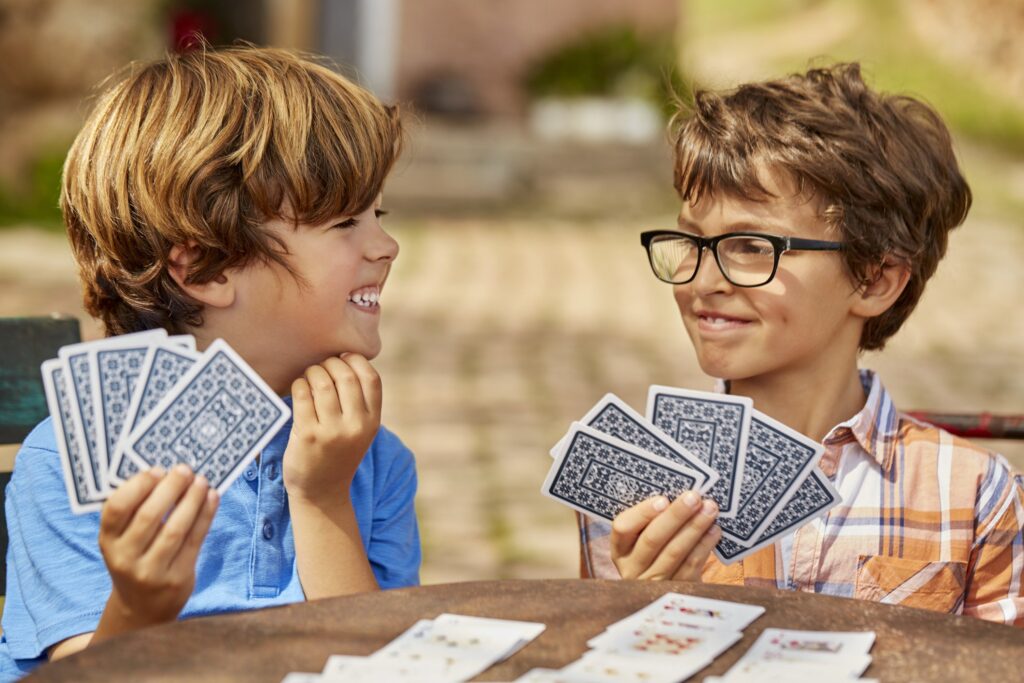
814, 211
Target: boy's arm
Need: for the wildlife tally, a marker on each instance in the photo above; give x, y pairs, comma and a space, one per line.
336, 411
995, 581
151, 530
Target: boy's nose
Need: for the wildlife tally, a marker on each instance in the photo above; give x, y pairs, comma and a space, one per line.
709, 278
382, 246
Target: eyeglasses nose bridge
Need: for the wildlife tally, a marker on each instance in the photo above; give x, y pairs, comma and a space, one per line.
709, 244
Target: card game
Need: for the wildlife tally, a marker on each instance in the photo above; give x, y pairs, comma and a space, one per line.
714, 444
266, 448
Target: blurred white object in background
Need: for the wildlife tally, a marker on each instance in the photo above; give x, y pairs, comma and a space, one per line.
595, 119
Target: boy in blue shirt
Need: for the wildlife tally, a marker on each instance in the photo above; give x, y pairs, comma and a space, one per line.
233, 194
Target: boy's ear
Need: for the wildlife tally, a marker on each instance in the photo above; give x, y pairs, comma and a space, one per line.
882, 288
218, 292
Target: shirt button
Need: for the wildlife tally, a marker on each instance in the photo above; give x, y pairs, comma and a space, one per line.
251, 473
272, 471
268, 529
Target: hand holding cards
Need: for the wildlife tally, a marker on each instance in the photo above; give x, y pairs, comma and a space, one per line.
129, 403
762, 475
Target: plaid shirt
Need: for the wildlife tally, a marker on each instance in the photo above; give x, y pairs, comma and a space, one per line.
927, 520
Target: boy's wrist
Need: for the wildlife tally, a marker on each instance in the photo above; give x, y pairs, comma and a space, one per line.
118, 617
326, 498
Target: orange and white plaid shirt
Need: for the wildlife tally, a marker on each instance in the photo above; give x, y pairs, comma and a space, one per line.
927, 520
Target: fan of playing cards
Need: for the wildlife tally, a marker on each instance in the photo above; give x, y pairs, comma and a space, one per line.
762, 474
125, 404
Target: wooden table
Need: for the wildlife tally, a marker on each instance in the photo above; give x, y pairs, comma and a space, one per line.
264, 645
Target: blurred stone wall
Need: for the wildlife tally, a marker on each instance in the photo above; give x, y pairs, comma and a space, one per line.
986, 35
52, 55
485, 45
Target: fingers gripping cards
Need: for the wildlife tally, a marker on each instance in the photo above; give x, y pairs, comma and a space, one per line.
127, 403
762, 474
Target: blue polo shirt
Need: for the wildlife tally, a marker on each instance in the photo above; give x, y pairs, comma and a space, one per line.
57, 583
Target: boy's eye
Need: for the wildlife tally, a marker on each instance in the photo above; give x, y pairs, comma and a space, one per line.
353, 222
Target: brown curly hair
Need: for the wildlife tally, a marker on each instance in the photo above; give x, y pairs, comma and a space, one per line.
202, 148
883, 166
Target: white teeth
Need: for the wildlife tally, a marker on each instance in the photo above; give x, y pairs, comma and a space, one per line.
367, 298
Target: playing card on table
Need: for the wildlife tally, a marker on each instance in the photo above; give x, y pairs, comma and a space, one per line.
216, 419
612, 416
679, 610
81, 381
74, 461
844, 653
162, 367
714, 427
674, 646
778, 459
815, 496
454, 647
600, 475
600, 667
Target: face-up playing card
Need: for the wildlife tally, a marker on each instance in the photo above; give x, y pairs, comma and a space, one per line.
674, 610
612, 416
673, 646
600, 667
600, 475
74, 461
846, 653
778, 459
162, 367
814, 498
216, 419
714, 427
454, 647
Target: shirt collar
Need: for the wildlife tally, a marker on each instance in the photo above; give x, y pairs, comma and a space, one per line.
874, 428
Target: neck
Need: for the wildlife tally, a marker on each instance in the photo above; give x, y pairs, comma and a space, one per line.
809, 400
274, 370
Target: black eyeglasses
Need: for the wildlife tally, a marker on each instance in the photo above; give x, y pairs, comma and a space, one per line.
746, 259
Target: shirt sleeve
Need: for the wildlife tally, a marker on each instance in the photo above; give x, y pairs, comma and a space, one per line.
57, 582
394, 547
996, 567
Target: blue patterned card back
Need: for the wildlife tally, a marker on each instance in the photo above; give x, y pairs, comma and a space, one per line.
602, 476
216, 419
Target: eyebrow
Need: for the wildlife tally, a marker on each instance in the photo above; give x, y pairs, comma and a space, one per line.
739, 226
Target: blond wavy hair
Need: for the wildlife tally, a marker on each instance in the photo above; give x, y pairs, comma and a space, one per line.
202, 148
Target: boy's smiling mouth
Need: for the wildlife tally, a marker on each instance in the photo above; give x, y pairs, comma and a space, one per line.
715, 321
366, 298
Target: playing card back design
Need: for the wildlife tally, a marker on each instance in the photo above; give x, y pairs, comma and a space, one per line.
601, 476
216, 422
76, 367
616, 420
777, 462
713, 429
117, 372
814, 497
73, 460
161, 370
